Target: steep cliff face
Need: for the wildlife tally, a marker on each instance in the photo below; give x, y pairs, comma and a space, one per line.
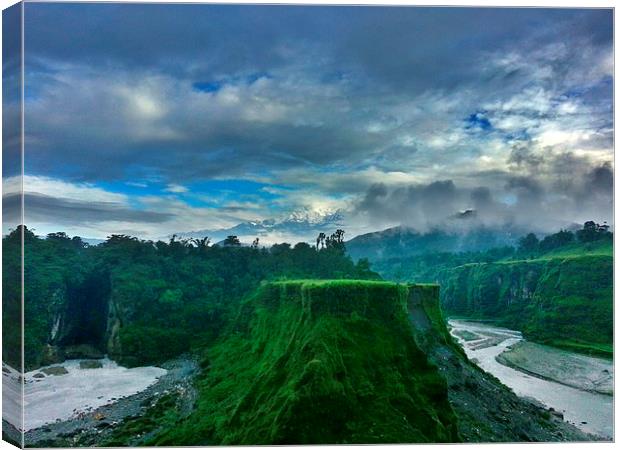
73, 322
487, 410
561, 301
321, 362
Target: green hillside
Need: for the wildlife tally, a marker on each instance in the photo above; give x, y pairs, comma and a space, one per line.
320, 362
403, 242
557, 291
562, 299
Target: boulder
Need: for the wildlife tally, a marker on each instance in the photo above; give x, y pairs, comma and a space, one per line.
83, 351
38, 375
55, 370
90, 364
51, 354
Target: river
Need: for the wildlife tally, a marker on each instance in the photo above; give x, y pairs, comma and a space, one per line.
591, 412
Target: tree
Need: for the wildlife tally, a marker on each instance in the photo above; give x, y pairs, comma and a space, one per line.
339, 236
320, 241
593, 231
556, 240
202, 243
58, 237
336, 241
528, 243
255, 243
172, 298
232, 241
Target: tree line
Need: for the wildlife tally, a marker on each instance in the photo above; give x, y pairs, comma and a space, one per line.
169, 296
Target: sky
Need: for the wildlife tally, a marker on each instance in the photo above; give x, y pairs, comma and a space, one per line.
152, 119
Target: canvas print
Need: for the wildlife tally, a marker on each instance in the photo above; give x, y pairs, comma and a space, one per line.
302, 224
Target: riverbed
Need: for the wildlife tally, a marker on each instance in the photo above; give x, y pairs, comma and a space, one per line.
64, 391
591, 412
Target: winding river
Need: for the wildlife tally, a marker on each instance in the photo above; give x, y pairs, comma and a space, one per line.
591, 412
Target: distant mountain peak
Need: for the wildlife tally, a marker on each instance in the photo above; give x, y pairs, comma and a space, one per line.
303, 223
314, 216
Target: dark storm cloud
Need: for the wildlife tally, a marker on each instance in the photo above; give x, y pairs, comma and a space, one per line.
351, 61
413, 45
525, 187
62, 211
11, 91
11, 210
601, 179
419, 206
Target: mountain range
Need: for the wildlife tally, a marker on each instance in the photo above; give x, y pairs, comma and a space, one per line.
287, 229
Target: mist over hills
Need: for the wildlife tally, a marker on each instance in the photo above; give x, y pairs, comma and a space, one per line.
402, 241
461, 232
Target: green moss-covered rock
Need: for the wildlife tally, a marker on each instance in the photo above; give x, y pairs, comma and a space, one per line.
320, 362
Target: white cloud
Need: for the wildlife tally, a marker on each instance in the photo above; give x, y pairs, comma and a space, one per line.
176, 189
61, 189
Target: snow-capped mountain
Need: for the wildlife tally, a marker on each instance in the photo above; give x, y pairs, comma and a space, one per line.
301, 225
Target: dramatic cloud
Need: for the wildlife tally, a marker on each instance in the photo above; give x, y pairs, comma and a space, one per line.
208, 116
524, 203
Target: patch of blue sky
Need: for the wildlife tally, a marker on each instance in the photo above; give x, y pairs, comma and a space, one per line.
212, 86
30, 95
575, 92
132, 188
232, 186
254, 77
205, 194
509, 199
208, 86
478, 120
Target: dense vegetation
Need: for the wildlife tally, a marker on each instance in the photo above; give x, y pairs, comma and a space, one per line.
558, 290
319, 362
143, 302
592, 239
564, 301
360, 360
151, 300
11, 300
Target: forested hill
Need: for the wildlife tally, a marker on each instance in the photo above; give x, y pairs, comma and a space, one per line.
592, 239
558, 290
403, 242
565, 301
140, 301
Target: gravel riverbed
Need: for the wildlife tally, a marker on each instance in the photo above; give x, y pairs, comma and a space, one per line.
95, 425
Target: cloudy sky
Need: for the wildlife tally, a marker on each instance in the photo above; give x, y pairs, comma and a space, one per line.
155, 119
